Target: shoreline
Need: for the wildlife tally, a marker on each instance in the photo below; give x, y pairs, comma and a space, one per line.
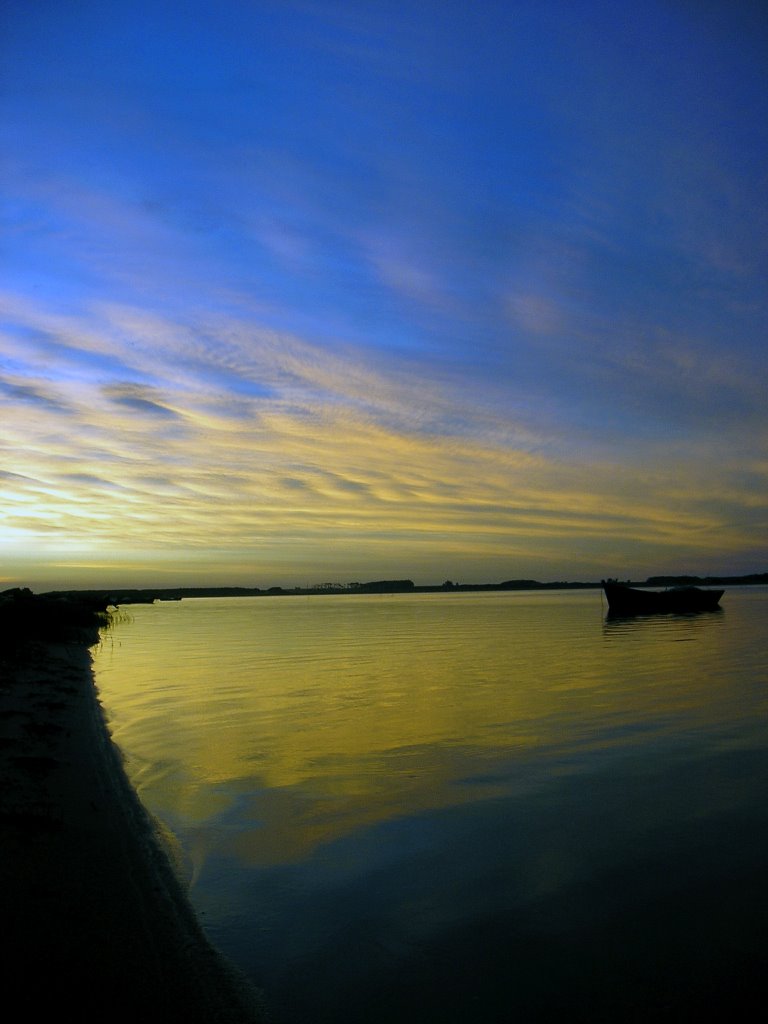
95, 915
127, 596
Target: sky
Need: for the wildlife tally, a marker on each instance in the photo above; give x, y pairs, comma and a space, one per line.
319, 291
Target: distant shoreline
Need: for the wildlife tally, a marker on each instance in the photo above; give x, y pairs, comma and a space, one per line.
148, 595
79, 614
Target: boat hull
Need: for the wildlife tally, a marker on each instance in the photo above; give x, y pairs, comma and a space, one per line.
624, 600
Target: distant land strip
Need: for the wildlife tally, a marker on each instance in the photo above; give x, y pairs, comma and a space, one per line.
121, 596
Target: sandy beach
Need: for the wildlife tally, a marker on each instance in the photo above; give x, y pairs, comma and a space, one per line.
96, 923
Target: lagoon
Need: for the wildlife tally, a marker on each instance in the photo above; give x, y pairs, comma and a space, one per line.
478, 807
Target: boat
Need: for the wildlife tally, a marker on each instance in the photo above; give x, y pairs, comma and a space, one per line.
626, 600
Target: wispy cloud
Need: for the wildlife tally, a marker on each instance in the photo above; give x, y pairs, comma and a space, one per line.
139, 398
335, 454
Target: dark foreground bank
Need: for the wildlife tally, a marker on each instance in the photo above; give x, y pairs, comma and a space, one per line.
95, 922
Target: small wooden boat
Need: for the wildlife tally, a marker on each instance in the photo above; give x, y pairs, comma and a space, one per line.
624, 600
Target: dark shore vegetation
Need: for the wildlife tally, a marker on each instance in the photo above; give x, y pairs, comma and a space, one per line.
50, 618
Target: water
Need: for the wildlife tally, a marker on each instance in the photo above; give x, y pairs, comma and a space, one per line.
460, 807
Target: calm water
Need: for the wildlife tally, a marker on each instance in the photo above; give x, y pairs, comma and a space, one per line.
481, 808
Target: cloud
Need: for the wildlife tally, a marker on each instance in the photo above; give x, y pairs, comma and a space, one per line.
408, 273
88, 480
138, 398
32, 395
535, 314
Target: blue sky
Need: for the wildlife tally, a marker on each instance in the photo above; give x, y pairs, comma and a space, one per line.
311, 291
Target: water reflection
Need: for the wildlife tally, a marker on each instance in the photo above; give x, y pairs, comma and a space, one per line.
309, 719
629, 623
441, 807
